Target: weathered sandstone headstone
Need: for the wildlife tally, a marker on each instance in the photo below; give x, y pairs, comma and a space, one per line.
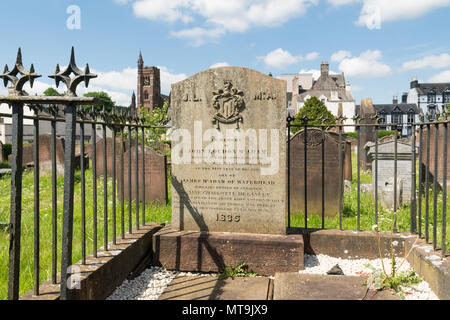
109, 155
229, 152
155, 176
314, 172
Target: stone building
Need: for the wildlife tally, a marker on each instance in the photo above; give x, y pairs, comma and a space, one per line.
429, 97
149, 87
403, 114
331, 89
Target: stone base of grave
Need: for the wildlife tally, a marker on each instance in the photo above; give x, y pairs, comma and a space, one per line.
192, 251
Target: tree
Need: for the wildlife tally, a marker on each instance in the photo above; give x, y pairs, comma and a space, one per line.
51, 92
108, 103
313, 109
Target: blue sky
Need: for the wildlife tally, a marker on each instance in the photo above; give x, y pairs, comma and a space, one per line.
379, 44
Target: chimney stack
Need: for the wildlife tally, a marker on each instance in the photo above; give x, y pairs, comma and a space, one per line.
324, 69
395, 100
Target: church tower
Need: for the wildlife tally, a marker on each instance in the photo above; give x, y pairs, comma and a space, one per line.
149, 86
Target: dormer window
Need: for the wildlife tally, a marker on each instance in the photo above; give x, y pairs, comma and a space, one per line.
432, 96
446, 96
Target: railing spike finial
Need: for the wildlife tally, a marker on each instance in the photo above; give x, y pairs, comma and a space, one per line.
17, 83
80, 76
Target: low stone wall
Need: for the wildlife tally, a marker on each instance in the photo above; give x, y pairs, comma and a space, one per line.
100, 276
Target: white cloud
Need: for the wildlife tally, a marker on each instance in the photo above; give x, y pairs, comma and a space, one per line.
315, 72
198, 36
120, 80
227, 16
167, 78
280, 58
340, 55
219, 64
389, 10
312, 56
367, 65
435, 62
444, 76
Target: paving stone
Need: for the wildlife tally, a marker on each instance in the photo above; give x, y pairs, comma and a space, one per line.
294, 286
211, 288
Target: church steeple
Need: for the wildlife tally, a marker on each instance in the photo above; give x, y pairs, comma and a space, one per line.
140, 61
133, 109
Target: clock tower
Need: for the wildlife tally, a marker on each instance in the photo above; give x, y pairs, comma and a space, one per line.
149, 87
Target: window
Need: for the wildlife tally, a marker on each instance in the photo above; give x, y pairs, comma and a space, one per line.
397, 118
446, 96
411, 117
432, 111
432, 97
145, 95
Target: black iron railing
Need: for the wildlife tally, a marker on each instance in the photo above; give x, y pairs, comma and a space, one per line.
79, 114
419, 221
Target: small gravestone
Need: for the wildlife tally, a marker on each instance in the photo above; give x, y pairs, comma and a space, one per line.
386, 162
45, 155
155, 176
314, 172
440, 174
109, 155
367, 133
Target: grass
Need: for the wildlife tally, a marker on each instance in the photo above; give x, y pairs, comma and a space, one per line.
367, 213
154, 213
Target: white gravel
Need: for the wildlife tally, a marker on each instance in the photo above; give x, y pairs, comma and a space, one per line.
321, 264
149, 285
152, 282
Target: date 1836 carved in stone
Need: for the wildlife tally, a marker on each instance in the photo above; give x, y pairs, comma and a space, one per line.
228, 104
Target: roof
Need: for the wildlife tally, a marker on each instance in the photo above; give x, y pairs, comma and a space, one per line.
392, 108
439, 88
343, 94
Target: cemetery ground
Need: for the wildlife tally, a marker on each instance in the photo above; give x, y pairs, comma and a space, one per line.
154, 213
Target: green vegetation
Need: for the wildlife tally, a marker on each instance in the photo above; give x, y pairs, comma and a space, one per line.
51, 92
313, 109
7, 149
381, 134
108, 103
239, 271
153, 212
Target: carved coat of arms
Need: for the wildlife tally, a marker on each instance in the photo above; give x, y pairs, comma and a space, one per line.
227, 105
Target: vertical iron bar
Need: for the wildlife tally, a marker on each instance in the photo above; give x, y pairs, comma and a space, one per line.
54, 205
435, 184
83, 195
444, 193
137, 176
143, 176
427, 185
340, 183
69, 169
166, 191
122, 183
358, 218
16, 201
413, 228
323, 177
130, 222
289, 172
419, 204
105, 189
395, 176
94, 187
36, 204
305, 171
114, 184
376, 174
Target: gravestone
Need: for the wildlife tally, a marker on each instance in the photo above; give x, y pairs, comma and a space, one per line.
314, 172
386, 171
367, 133
155, 176
440, 175
109, 155
225, 186
45, 155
